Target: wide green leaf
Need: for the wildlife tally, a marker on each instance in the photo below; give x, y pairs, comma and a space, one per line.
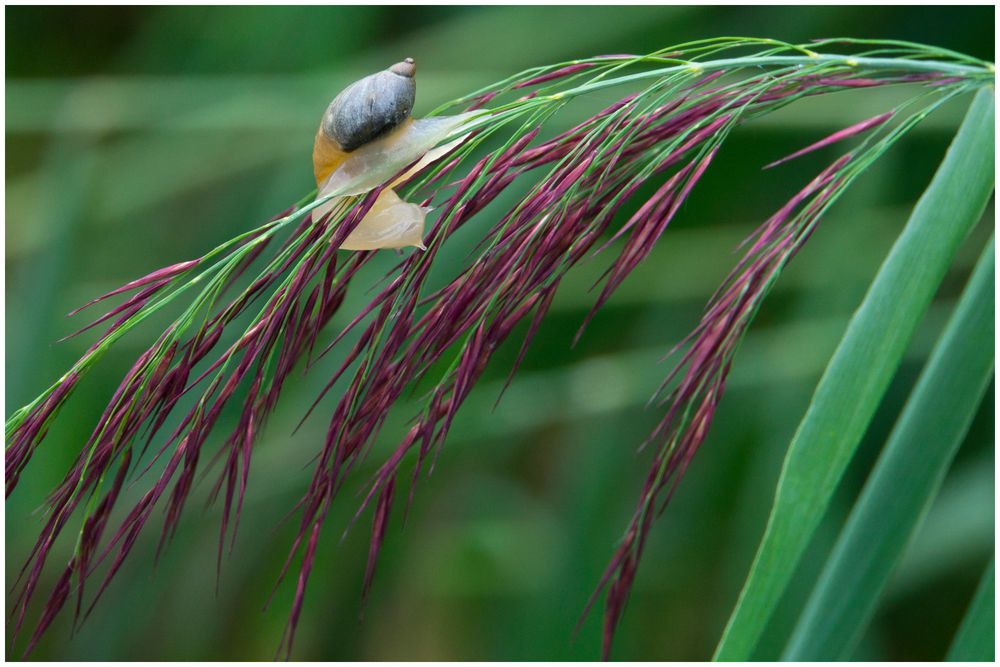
905, 479
975, 638
862, 367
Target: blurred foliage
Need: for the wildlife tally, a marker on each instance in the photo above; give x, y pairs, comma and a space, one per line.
137, 137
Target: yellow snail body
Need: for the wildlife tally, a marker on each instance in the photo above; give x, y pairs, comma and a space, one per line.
391, 223
367, 136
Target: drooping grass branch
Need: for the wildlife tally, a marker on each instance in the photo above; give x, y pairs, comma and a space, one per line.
259, 304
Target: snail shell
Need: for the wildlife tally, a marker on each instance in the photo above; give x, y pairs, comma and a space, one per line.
364, 111
369, 108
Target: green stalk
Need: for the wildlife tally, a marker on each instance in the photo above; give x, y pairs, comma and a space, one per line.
986, 74
974, 641
863, 365
906, 477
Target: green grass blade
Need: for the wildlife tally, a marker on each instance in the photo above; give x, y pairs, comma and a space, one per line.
905, 479
974, 641
861, 368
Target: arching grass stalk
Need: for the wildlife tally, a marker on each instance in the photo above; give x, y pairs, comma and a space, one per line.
676, 109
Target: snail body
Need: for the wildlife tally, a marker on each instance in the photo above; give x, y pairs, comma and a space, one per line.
390, 223
367, 136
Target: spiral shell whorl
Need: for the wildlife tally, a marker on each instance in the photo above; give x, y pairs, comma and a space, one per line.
372, 106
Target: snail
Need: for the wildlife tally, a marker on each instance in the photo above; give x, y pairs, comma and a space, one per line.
365, 137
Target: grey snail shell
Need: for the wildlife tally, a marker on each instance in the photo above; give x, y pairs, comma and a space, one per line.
372, 106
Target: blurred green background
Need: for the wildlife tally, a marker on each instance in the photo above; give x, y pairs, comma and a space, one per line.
138, 137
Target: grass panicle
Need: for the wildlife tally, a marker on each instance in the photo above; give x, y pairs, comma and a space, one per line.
257, 307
